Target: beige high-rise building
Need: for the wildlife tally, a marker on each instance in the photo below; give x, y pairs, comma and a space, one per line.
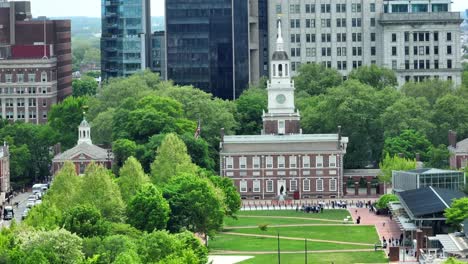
417, 39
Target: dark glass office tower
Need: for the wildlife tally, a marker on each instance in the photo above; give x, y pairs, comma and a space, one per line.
126, 37
209, 45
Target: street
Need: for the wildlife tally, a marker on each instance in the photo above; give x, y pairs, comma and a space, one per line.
21, 198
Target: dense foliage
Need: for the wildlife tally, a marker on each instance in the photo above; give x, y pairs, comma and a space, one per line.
383, 201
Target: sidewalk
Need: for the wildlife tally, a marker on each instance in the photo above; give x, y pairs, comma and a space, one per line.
385, 227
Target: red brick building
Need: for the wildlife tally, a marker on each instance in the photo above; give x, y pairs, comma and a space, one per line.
83, 153
458, 151
35, 63
283, 163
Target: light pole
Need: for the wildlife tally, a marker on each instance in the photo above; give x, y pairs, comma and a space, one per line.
279, 252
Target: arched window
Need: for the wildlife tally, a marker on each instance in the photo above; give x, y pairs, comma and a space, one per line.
280, 70
286, 70
274, 70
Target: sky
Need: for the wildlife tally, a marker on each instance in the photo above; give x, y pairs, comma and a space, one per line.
92, 8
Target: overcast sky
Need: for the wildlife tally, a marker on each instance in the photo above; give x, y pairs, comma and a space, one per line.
92, 8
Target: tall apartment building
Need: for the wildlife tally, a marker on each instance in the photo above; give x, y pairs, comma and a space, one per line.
417, 39
158, 54
35, 63
219, 46
126, 37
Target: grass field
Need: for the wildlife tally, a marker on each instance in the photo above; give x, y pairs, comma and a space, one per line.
345, 233
327, 214
321, 258
241, 243
255, 221
248, 240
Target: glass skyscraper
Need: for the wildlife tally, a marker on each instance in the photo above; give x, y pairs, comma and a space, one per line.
214, 44
126, 37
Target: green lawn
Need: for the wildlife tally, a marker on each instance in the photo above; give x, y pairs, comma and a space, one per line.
350, 233
255, 221
338, 214
321, 258
242, 243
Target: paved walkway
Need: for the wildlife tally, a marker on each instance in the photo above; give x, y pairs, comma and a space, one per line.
227, 259
290, 252
385, 227
291, 217
299, 238
286, 225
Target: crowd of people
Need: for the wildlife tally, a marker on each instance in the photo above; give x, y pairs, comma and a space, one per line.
392, 242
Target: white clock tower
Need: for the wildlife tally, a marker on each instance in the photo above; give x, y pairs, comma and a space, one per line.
282, 117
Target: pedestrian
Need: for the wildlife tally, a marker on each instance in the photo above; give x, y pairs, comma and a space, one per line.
383, 224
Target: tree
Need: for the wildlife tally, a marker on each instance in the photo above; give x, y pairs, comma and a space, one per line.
383, 201
407, 113
447, 113
232, 199
84, 86
195, 204
123, 149
408, 143
115, 245
65, 187
19, 164
131, 179
148, 210
57, 246
45, 216
377, 77
157, 245
191, 242
391, 163
438, 157
453, 260
102, 127
431, 89
315, 79
85, 221
65, 117
171, 160
457, 212
99, 189
250, 106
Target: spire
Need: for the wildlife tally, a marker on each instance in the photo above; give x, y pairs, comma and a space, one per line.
279, 40
84, 131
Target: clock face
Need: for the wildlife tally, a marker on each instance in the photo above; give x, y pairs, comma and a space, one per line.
280, 98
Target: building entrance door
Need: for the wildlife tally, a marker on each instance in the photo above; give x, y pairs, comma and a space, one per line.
281, 187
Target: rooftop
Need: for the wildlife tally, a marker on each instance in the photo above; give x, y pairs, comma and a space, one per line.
427, 201
424, 171
284, 138
462, 147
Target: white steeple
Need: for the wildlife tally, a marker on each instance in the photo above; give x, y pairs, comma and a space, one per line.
279, 39
84, 132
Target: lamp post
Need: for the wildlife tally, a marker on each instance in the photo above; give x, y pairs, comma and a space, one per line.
279, 252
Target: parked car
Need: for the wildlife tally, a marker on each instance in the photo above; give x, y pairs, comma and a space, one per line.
25, 213
8, 213
30, 203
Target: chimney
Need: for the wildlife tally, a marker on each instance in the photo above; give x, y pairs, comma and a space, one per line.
452, 138
418, 157
339, 137
222, 134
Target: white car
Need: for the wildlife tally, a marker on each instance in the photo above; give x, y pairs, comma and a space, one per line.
30, 203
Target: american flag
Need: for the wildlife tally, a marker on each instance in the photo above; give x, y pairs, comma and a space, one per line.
198, 131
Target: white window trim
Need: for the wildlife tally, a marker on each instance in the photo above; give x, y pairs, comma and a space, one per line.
332, 185
272, 186
330, 163
317, 163
291, 185
257, 186
229, 162
281, 162
243, 186
304, 185
269, 162
317, 185
242, 163
304, 163
292, 162
256, 162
